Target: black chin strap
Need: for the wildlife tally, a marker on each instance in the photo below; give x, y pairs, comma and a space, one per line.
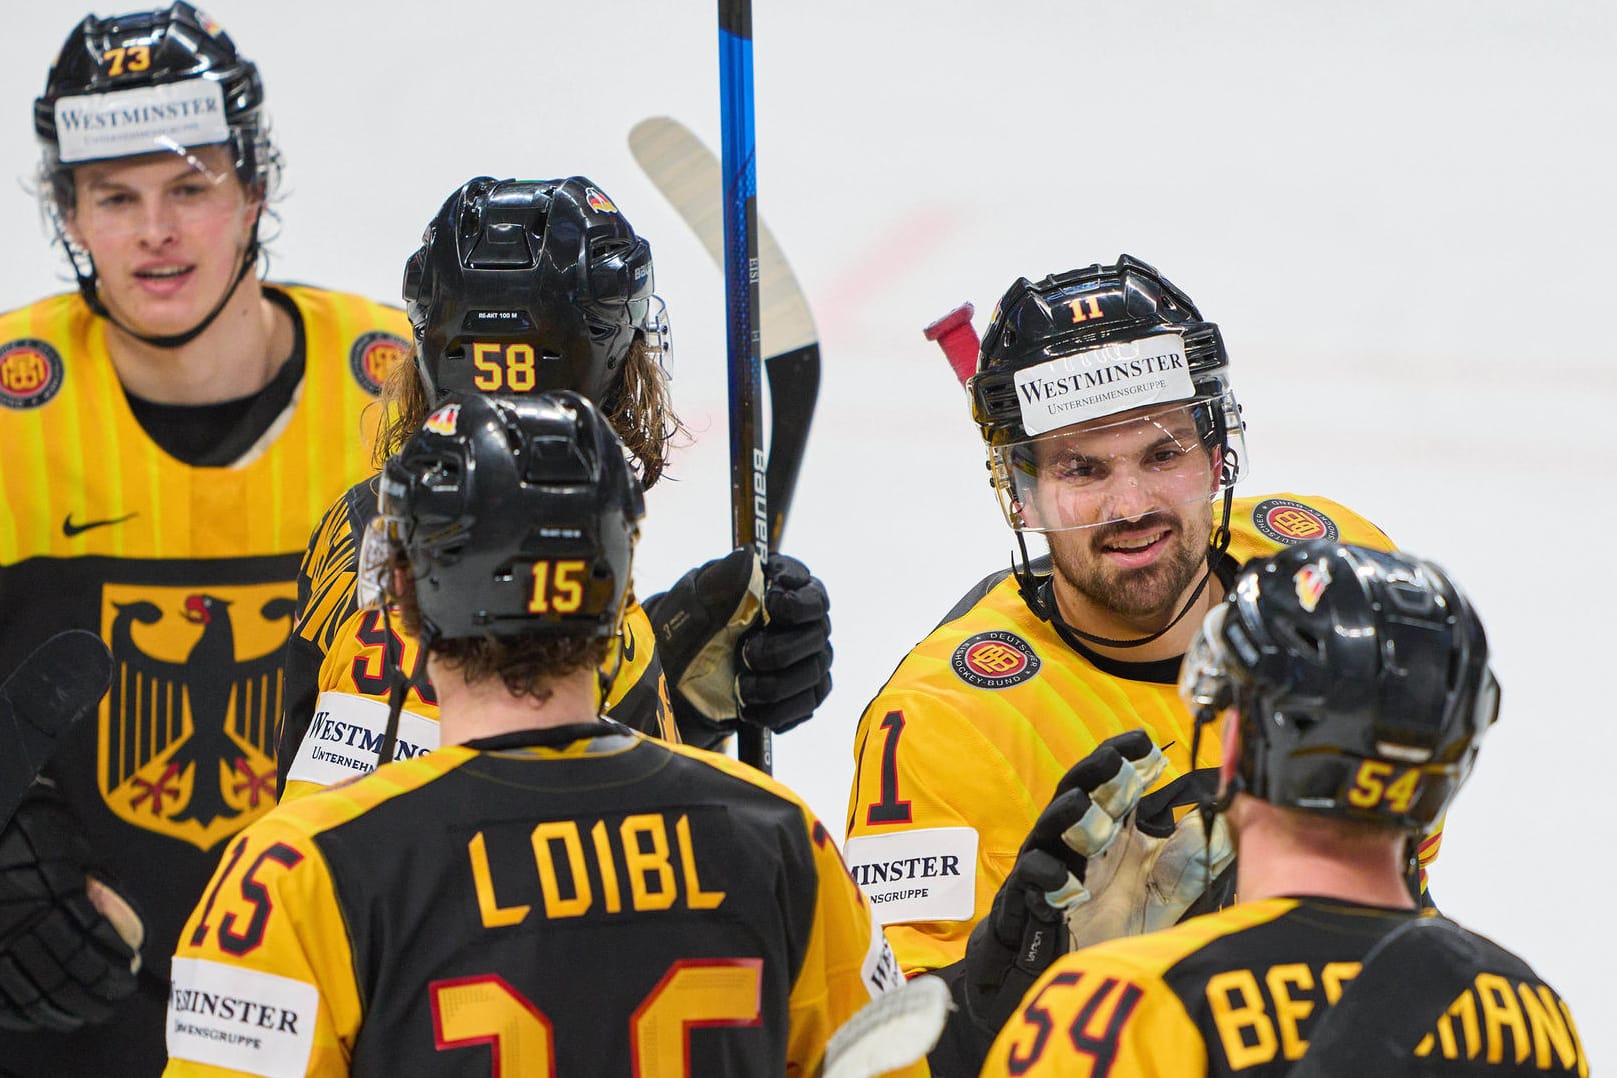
92, 296
1041, 600
399, 683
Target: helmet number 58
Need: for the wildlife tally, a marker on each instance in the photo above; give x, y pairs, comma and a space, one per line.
503, 367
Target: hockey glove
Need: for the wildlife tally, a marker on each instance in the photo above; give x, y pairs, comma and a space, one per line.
742, 643
1143, 871
1024, 931
69, 944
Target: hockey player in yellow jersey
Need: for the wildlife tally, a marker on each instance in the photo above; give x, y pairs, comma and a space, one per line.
1112, 431
549, 892
519, 287
1355, 691
172, 431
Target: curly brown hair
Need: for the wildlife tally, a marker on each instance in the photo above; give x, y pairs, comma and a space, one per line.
642, 411
526, 665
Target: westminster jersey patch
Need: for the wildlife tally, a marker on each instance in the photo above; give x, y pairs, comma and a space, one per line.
30, 373
1285, 521
994, 660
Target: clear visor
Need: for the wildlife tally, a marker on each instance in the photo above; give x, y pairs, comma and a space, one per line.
372, 585
1204, 673
172, 188
1157, 459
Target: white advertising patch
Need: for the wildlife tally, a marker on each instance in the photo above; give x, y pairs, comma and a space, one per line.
242, 1020
924, 875
1103, 381
142, 120
880, 969
345, 733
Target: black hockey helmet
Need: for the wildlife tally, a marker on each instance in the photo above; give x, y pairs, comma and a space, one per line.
523, 286
1360, 679
1080, 347
518, 516
147, 82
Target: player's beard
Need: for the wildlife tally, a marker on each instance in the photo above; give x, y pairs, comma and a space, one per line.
1145, 595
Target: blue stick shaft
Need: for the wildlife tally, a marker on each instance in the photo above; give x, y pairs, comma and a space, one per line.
749, 507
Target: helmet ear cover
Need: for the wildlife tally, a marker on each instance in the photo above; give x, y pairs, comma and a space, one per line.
1360, 679
517, 516
525, 286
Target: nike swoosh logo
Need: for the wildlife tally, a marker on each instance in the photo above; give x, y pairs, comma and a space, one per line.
71, 529
628, 644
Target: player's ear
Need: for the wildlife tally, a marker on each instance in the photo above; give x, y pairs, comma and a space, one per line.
1216, 473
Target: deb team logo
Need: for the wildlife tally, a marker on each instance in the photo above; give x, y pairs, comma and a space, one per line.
372, 356
30, 373
994, 660
1282, 520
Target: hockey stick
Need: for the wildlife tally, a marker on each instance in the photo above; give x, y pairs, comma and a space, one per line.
687, 174
958, 339
59, 683
749, 504
893, 1030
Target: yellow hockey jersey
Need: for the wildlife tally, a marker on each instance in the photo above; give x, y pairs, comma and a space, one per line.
188, 574
568, 901
962, 748
1242, 992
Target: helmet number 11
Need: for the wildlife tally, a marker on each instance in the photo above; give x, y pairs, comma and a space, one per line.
504, 367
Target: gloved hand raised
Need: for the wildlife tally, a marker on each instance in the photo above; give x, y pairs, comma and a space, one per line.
743, 642
1024, 930
69, 943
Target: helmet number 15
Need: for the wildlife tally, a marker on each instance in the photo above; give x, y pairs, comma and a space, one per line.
557, 587
503, 367
1379, 782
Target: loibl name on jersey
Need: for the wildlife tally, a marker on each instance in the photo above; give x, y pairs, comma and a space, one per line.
325, 728
645, 862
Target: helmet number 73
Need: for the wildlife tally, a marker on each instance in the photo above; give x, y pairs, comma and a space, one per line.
504, 367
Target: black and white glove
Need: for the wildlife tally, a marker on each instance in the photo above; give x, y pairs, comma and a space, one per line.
743, 642
69, 943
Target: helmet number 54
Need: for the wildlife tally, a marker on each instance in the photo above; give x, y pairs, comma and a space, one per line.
504, 367
1371, 786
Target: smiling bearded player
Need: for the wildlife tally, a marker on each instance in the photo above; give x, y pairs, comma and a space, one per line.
989, 764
